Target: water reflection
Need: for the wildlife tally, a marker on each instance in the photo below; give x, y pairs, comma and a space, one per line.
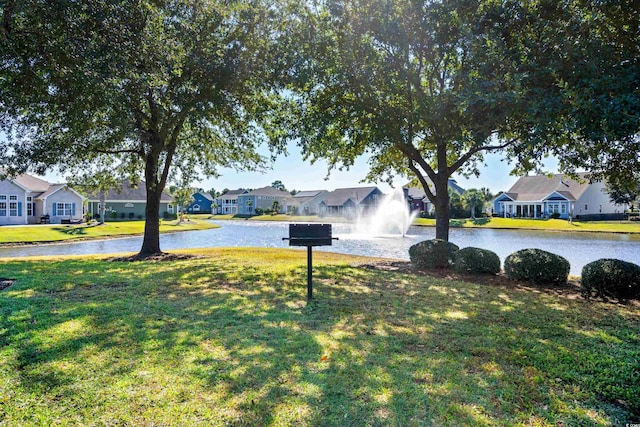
578, 248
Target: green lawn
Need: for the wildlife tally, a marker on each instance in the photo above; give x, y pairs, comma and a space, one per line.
229, 339
542, 224
54, 233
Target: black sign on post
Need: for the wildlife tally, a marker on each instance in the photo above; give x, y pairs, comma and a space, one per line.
310, 235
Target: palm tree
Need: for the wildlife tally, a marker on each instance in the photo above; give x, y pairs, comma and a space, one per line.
275, 207
473, 198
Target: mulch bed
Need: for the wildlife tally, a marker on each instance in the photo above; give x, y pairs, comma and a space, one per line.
5, 283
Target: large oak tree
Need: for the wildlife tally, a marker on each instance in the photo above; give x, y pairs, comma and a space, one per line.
428, 87
139, 85
419, 86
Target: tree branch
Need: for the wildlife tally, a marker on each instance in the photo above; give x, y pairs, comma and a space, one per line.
464, 158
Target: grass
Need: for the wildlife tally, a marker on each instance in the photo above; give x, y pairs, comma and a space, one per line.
55, 233
229, 339
541, 224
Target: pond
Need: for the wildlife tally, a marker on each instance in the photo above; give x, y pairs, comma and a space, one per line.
578, 248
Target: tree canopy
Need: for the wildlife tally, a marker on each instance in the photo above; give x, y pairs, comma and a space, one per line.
419, 86
426, 88
139, 85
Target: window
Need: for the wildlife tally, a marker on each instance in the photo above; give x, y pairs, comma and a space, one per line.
31, 207
3, 208
564, 208
196, 208
170, 208
13, 208
64, 209
586, 207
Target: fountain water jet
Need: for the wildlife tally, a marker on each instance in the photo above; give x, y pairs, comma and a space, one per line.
392, 217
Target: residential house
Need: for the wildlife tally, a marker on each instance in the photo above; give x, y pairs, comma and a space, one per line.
228, 202
128, 201
202, 203
307, 202
541, 196
417, 198
263, 198
26, 199
350, 202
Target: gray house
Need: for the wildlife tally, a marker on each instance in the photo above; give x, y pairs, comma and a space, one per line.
128, 201
541, 196
350, 202
307, 202
263, 198
26, 199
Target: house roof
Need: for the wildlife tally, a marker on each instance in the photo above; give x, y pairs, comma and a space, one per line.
234, 192
303, 197
537, 187
308, 193
125, 191
54, 188
32, 183
340, 196
43, 188
267, 191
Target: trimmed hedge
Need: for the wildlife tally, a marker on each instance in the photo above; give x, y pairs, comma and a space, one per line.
611, 278
476, 260
434, 253
537, 266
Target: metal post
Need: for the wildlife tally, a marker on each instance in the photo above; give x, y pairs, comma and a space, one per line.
309, 273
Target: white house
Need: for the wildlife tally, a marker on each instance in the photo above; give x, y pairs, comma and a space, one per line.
541, 196
26, 199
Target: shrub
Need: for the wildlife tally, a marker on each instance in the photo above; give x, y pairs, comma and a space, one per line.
476, 260
434, 253
538, 266
481, 221
167, 216
554, 215
611, 278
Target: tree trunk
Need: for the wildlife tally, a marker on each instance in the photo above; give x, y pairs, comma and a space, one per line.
151, 240
442, 209
103, 208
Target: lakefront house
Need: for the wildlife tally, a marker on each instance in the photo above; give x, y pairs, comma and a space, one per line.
128, 201
27, 199
542, 196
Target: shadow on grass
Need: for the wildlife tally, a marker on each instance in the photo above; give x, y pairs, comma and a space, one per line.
71, 231
373, 348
